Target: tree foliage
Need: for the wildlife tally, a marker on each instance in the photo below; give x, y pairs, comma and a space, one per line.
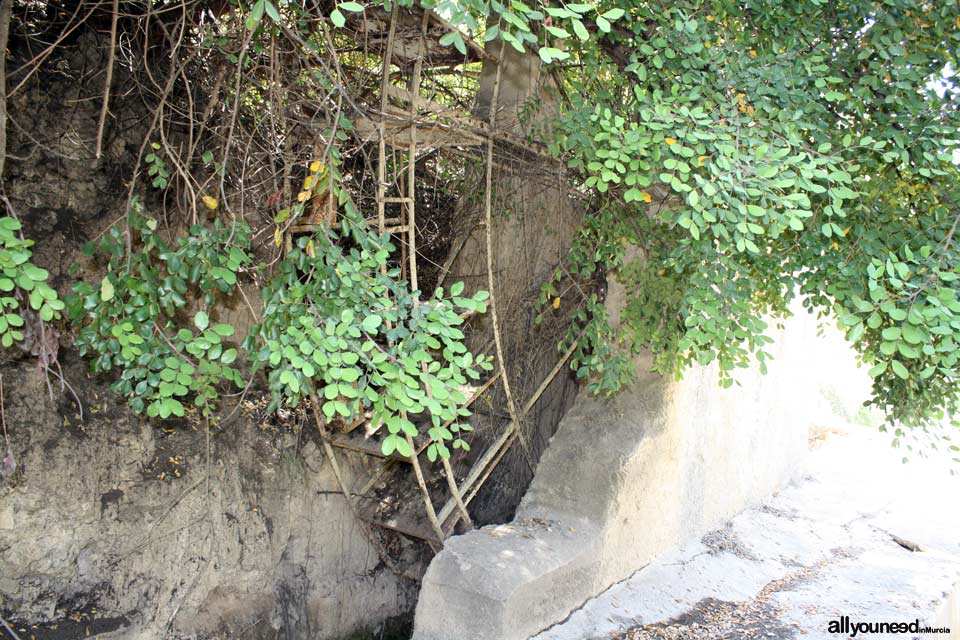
761, 150
340, 323
132, 319
755, 151
23, 285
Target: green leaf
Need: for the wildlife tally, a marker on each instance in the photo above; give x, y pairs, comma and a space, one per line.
899, 369
289, 378
856, 333
549, 54
353, 7
580, 30
389, 444
403, 447
106, 289
907, 351
912, 334
371, 323
891, 333
330, 410
453, 37
337, 18
201, 321
224, 330
255, 14
174, 406
272, 11
34, 272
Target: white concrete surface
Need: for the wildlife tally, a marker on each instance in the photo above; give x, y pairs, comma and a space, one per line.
824, 547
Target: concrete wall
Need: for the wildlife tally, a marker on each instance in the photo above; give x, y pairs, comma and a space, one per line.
628, 478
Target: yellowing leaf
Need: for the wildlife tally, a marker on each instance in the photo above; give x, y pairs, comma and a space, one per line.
277, 237
315, 166
847, 230
556, 303
834, 245
303, 195
701, 159
210, 202
309, 249
307, 182
670, 140
646, 196
753, 53
710, 18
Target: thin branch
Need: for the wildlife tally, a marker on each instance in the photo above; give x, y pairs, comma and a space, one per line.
3, 420
105, 107
10, 630
5, 7
418, 472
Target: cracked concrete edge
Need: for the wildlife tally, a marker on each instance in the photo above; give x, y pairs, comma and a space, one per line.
505, 581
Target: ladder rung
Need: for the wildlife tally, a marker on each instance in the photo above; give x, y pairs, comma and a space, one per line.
386, 221
398, 200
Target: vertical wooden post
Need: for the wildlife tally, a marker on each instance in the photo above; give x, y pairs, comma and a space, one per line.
515, 416
382, 144
414, 88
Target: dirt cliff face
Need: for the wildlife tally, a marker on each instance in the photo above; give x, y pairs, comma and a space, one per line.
55, 185
114, 524
123, 526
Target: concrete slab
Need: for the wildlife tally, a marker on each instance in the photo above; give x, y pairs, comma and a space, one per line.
829, 545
